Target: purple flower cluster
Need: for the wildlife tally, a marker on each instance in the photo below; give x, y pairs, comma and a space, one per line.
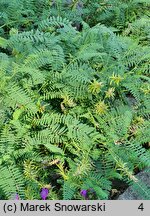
44, 193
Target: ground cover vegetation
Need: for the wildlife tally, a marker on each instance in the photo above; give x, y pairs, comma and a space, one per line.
74, 98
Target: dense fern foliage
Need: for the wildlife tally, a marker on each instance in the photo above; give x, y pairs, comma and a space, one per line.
74, 97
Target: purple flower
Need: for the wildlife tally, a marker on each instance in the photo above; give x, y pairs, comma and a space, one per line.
44, 193
17, 197
83, 193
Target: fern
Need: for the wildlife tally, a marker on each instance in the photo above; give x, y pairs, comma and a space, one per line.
11, 181
74, 97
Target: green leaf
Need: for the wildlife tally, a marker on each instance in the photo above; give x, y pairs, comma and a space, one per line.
17, 114
54, 148
3, 42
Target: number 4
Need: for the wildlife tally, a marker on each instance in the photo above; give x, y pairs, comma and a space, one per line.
141, 207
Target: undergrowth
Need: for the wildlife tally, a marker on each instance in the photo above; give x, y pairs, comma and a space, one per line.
74, 97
